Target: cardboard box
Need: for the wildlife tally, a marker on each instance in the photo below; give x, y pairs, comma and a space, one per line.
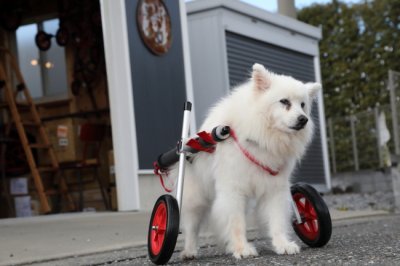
92, 200
23, 207
35, 207
64, 136
19, 186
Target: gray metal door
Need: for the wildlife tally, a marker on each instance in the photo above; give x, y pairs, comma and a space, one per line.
158, 88
243, 52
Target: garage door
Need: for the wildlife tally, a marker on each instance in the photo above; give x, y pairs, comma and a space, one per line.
243, 52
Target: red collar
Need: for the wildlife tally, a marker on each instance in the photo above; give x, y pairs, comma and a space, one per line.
251, 157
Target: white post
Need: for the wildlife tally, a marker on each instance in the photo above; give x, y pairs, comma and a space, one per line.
322, 124
396, 188
354, 142
287, 8
393, 106
378, 136
115, 35
332, 145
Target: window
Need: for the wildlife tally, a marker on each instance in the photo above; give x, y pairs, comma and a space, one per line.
44, 71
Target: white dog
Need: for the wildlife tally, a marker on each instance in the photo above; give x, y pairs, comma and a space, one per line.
270, 117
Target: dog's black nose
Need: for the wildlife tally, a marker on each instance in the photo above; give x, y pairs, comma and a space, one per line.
302, 120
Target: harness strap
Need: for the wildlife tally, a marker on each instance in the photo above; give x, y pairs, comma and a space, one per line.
251, 157
158, 171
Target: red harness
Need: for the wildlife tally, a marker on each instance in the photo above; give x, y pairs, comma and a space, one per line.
195, 144
251, 157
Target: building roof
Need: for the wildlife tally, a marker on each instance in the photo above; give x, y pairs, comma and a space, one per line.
288, 23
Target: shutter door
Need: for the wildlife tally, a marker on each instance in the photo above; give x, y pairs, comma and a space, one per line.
243, 52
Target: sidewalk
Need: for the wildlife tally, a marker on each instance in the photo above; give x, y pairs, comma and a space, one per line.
25, 240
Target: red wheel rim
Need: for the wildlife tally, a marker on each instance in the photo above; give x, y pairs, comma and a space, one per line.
158, 227
310, 226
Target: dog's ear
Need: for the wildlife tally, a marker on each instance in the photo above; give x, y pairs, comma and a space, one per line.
261, 77
313, 89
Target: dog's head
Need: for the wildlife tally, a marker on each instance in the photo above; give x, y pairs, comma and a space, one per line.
285, 101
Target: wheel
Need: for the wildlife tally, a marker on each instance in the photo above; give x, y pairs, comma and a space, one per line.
62, 36
163, 229
43, 40
316, 227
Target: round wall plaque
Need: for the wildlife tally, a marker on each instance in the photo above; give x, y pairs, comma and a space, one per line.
154, 25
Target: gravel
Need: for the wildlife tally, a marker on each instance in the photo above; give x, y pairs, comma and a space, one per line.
360, 201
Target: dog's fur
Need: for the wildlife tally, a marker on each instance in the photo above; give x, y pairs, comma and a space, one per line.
222, 182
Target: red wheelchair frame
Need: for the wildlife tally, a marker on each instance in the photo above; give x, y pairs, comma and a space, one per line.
312, 222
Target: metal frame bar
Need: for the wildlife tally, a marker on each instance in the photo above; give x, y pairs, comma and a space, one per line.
296, 211
182, 157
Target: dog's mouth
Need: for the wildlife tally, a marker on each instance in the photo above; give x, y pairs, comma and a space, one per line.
298, 127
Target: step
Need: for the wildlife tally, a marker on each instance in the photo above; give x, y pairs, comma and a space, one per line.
47, 168
23, 106
39, 146
53, 191
20, 106
50, 192
30, 124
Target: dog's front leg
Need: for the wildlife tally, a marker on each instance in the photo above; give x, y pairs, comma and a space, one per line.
194, 206
229, 217
275, 210
191, 219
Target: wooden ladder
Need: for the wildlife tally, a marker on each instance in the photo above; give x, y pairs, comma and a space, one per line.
19, 102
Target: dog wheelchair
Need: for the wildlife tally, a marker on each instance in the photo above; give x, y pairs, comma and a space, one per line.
311, 223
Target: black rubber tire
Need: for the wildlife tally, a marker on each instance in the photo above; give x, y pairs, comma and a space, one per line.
322, 212
171, 231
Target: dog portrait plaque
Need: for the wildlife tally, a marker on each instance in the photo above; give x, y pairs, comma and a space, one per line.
154, 25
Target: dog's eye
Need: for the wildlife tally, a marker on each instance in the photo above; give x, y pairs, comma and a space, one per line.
285, 102
302, 105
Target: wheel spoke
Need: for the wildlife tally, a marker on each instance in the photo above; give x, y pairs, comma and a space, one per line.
300, 205
313, 213
309, 211
315, 226
307, 226
307, 206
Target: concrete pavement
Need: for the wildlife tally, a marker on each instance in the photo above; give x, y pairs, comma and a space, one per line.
43, 238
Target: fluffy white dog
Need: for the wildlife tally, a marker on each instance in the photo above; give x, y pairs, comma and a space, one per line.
270, 116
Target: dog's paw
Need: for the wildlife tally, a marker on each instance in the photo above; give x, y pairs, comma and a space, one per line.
244, 251
188, 254
288, 247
